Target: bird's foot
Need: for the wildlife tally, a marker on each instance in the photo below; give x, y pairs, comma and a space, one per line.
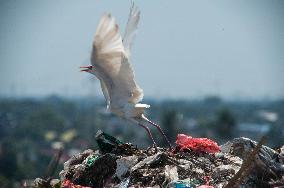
156, 148
171, 149
152, 149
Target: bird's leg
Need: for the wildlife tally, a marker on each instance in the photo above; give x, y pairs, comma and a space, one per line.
150, 134
161, 131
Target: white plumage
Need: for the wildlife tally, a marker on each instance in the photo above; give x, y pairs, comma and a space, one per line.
110, 60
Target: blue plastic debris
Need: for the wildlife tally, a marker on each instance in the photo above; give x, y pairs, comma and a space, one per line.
189, 183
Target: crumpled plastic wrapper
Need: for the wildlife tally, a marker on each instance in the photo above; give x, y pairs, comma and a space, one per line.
196, 144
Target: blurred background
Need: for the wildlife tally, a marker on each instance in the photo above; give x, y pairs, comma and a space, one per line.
208, 69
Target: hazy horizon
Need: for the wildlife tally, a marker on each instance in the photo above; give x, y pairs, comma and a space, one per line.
188, 49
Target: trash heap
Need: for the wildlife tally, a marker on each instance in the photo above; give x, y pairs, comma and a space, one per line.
195, 162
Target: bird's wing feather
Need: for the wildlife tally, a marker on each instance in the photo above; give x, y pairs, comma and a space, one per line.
131, 28
111, 64
105, 92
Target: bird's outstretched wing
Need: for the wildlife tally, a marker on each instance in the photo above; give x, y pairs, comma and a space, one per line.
131, 28
111, 64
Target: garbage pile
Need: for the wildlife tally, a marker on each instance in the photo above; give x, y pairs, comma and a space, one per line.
195, 162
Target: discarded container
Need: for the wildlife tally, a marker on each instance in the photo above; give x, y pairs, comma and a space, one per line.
196, 144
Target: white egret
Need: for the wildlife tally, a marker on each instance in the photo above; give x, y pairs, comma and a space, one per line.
110, 61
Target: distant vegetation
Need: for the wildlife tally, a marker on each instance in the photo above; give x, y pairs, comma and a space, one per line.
32, 130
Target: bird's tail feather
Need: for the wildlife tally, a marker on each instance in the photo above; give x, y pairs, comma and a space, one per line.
139, 110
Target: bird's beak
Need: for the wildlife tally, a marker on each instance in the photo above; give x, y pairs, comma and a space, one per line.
86, 68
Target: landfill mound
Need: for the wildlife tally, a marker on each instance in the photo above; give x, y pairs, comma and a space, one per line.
145, 169
240, 162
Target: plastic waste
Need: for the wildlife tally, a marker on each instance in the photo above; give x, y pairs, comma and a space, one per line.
91, 160
68, 184
124, 164
196, 144
124, 183
106, 142
187, 183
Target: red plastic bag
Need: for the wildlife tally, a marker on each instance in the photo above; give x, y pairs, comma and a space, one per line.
197, 144
68, 184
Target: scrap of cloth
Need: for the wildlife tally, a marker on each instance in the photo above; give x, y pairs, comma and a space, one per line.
196, 144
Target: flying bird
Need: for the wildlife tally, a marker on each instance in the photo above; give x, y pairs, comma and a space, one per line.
110, 63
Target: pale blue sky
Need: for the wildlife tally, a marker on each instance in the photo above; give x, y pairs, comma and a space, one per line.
183, 49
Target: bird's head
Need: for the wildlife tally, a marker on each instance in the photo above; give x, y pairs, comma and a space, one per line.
89, 69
